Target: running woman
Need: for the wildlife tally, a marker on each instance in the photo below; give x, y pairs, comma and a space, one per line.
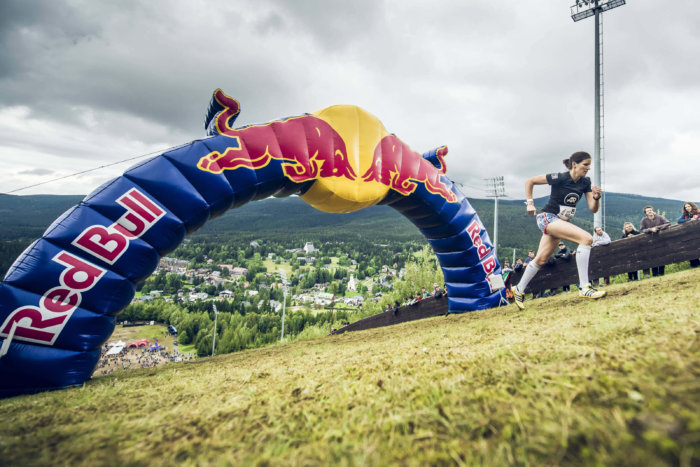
567, 189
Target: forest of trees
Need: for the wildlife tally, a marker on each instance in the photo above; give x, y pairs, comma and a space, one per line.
236, 330
242, 327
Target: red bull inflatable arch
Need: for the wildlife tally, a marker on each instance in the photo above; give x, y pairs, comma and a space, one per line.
59, 300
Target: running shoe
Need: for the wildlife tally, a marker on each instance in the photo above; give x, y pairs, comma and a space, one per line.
518, 298
589, 292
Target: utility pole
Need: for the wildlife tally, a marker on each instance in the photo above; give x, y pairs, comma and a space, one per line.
495, 187
283, 275
580, 10
213, 344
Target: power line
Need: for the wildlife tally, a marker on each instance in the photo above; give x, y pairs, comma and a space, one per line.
91, 170
464, 185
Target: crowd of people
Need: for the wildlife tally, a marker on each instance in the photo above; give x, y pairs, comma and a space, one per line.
567, 188
136, 357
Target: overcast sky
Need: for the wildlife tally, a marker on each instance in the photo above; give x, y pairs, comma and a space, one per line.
508, 86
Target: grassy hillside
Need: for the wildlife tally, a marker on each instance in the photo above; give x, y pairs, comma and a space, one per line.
611, 382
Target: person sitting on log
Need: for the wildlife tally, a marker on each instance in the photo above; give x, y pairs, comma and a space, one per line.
690, 213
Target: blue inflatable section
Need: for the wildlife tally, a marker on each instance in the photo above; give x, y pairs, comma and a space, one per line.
59, 300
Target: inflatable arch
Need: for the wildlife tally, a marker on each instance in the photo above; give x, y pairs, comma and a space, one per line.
58, 301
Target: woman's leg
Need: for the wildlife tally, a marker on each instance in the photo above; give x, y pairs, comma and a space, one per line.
547, 246
574, 233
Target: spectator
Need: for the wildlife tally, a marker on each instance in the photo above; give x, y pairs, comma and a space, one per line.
506, 267
628, 230
518, 265
437, 291
426, 294
395, 310
690, 213
600, 238
530, 256
564, 254
652, 224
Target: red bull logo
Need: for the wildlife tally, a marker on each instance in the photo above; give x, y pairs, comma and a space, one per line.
331, 146
43, 324
308, 147
495, 281
400, 168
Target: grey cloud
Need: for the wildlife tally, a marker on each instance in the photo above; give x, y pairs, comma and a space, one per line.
36, 172
334, 25
508, 87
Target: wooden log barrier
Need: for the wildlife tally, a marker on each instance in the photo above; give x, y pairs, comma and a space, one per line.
675, 244
426, 308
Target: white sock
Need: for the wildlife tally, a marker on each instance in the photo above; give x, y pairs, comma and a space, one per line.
530, 270
583, 252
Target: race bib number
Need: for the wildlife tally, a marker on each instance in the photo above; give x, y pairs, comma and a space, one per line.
566, 212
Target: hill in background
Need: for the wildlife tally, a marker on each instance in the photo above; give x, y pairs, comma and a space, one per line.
25, 218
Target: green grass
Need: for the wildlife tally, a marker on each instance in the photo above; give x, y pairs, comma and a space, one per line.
610, 382
272, 267
188, 349
134, 333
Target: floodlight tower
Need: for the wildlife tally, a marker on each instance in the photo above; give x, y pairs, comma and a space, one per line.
580, 10
496, 188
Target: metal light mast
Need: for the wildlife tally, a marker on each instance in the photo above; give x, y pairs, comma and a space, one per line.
213, 344
495, 187
580, 10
